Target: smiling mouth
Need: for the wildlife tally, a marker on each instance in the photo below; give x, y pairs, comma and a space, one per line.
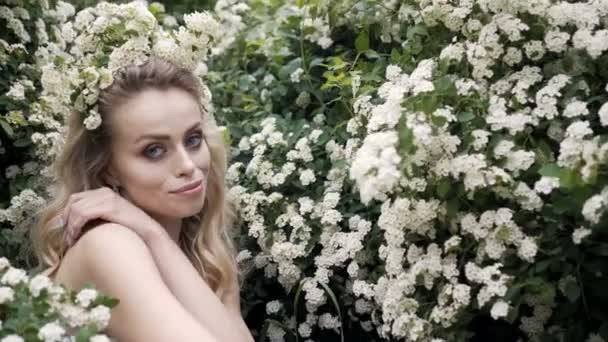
189, 188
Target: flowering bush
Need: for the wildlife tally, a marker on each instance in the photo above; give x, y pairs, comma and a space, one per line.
53, 77
35, 309
417, 169
28, 26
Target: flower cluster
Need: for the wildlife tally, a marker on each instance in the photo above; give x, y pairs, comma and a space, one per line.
36, 309
460, 166
102, 40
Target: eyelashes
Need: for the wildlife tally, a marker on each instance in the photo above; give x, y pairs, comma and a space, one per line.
156, 151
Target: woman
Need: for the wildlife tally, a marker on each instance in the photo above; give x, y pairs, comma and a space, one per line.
142, 204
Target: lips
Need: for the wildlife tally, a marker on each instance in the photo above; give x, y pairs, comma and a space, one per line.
187, 187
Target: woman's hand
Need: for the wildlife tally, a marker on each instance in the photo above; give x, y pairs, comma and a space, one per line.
105, 204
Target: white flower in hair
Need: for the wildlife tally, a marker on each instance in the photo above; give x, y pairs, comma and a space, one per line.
108, 38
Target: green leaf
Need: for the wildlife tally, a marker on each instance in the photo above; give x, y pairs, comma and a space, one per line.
296, 300
371, 54
572, 291
406, 140
550, 170
445, 87
444, 187
428, 104
7, 128
466, 116
568, 179
362, 41
22, 142
541, 266
544, 152
85, 334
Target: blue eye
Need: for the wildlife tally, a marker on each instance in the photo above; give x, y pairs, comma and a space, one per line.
150, 151
194, 140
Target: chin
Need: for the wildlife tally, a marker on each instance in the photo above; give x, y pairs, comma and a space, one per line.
191, 211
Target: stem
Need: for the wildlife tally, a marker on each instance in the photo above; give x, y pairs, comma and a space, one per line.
307, 71
580, 283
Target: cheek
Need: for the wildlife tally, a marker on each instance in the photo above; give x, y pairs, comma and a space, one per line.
203, 157
144, 181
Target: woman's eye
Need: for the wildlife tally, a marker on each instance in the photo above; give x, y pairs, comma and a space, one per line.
194, 140
153, 151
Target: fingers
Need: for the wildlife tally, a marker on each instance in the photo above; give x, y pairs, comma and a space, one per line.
81, 208
65, 215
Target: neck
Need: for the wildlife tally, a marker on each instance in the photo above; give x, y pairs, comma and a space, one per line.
173, 226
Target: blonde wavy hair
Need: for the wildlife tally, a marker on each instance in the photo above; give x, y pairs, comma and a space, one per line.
82, 165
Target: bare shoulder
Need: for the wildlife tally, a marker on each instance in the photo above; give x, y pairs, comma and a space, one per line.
110, 242
118, 262
105, 244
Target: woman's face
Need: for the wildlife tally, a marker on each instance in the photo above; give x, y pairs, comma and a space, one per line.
158, 148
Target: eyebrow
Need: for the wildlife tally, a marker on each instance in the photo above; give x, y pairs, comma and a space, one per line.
164, 136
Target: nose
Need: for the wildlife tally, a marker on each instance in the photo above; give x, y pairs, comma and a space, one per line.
185, 163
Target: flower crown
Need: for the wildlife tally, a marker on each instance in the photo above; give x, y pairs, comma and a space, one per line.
104, 39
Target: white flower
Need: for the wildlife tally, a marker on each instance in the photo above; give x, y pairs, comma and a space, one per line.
500, 309
546, 184
579, 234
51, 332
304, 329
513, 56
603, 114
534, 49
595, 338
202, 22
100, 315
392, 72
307, 177
170, 21
576, 108
16, 92
275, 333
306, 205
243, 255
319, 119
86, 296
14, 276
375, 166
296, 76
303, 100
4, 263
7, 294
527, 249
99, 338
38, 283
92, 121
328, 321
594, 207
503, 148
273, 307
12, 171
12, 338
557, 41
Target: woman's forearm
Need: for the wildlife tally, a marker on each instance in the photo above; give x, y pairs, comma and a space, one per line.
192, 292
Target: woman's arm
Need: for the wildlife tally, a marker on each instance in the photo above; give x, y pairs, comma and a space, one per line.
195, 294
120, 265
